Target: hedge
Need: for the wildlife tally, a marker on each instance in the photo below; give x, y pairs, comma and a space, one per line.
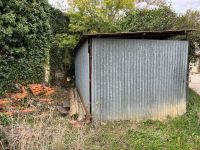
25, 35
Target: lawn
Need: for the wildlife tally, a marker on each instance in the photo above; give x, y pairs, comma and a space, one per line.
177, 133
53, 132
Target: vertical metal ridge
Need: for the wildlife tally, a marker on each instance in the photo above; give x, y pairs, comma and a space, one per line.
167, 55
109, 58
135, 79
177, 73
130, 73
170, 79
105, 66
167, 70
90, 74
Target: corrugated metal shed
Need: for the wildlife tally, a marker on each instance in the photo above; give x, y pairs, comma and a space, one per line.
161, 35
122, 78
82, 74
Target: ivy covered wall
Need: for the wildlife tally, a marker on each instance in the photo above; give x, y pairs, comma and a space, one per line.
25, 35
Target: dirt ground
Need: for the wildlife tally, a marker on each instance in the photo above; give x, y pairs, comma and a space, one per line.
195, 82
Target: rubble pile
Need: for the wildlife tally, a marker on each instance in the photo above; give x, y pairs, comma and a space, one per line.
28, 99
15, 103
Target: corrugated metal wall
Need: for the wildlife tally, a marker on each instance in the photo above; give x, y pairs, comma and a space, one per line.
82, 73
137, 79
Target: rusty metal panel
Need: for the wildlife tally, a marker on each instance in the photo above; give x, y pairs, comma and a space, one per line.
138, 79
82, 73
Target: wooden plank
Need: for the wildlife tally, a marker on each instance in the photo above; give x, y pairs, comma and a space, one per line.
76, 100
77, 107
81, 110
72, 103
81, 115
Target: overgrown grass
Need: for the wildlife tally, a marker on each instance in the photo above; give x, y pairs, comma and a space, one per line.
178, 133
53, 132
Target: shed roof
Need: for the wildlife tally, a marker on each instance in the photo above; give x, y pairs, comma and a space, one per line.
134, 35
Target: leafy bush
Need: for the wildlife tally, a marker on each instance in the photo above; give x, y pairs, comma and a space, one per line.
191, 20
159, 19
25, 34
61, 54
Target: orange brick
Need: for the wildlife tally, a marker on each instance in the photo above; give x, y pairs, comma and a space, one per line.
19, 96
28, 110
9, 114
36, 89
22, 95
49, 91
4, 102
44, 100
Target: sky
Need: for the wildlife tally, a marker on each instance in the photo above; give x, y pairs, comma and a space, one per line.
180, 6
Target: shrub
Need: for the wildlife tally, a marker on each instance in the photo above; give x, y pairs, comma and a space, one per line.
61, 54
25, 35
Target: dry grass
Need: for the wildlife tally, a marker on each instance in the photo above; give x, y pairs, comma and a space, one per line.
42, 132
50, 131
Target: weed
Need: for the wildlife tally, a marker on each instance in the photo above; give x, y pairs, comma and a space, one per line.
4, 120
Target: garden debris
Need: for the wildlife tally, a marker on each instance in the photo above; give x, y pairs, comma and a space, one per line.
11, 106
48, 91
66, 104
81, 110
103, 123
5, 108
1, 108
45, 100
28, 110
36, 89
62, 110
77, 124
21, 95
17, 133
73, 103
8, 113
22, 112
4, 102
77, 110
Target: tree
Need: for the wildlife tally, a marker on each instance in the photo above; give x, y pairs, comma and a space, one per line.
59, 22
190, 20
88, 16
60, 54
159, 19
95, 16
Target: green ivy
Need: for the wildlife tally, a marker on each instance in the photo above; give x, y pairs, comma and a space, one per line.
25, 34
